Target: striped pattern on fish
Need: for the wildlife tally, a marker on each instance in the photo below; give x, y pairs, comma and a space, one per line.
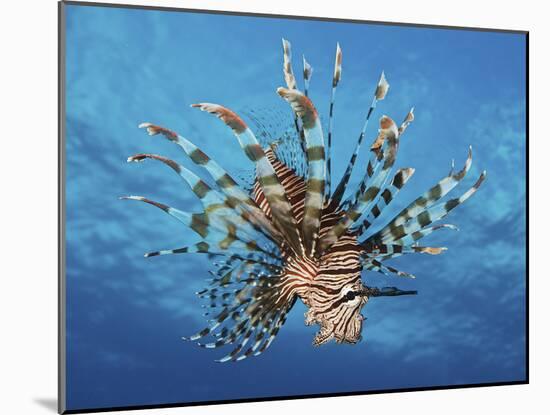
290, 237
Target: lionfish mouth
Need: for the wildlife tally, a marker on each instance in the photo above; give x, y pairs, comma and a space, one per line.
292, 234
353, 300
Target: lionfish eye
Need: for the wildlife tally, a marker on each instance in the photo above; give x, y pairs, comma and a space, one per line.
350, 295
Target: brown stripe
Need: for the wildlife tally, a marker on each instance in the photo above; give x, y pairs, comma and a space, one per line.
225, 181
315, 153
424, 219
435, 192
201, 189
270, 180
315, 185
398, 180
199, 223
202, 247
370, 170
254, 152
199, 157
370, 194
386, 195
451, 204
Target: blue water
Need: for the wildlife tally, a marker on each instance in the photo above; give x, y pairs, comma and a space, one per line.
126, 314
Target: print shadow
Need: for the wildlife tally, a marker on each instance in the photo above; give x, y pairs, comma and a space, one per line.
49, 403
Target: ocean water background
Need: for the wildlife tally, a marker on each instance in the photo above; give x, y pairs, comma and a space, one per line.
126, 314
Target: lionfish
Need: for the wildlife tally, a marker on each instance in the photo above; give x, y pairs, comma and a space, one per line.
288, 235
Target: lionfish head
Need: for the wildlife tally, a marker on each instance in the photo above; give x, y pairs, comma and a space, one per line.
336, 296
341, 318
337, 306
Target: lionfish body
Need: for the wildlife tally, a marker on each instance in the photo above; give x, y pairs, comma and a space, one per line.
290, 236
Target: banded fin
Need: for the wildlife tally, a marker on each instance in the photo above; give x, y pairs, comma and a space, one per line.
413, 237
335, 80
252, 320
206, 248
372, 250
424, 201
379, 94
221, 317
224, 181
290, 79
409, 118
224, 236
385, 197
375, 151
315, 151
308, 72
264, 337
277, 132
388, 130
290, 82
199, 247
426, 217
216, 206
254, 316
377, 266
272, 188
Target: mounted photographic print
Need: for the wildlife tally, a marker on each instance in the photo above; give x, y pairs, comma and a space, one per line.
260, 207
